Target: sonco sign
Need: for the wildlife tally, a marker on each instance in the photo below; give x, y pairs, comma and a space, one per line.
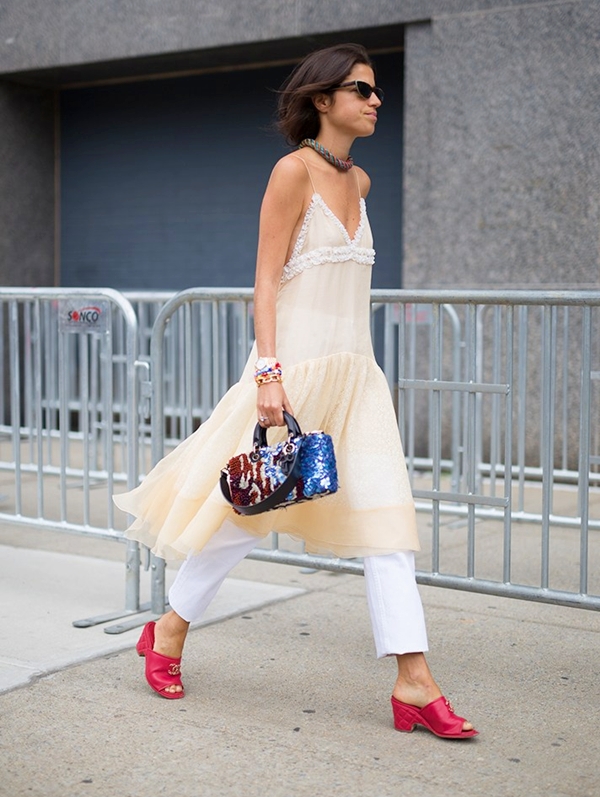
83, 317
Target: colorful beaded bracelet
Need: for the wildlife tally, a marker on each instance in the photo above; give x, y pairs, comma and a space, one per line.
264, 379
268, 369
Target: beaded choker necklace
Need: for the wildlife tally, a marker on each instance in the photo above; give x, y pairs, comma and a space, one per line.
325, 153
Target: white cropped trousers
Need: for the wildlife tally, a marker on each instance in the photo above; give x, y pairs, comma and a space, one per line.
393, 598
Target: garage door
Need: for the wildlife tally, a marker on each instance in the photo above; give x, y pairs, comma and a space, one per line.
161, 180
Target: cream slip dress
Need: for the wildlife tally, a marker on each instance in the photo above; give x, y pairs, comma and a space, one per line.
333, 383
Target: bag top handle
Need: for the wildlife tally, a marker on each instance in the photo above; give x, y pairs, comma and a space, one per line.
260, 433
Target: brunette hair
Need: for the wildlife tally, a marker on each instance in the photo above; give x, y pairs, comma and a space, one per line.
320, 72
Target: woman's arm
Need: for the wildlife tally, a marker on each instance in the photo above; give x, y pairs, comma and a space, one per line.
280, 219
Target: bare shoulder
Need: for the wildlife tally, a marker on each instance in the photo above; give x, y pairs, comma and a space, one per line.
285, 197
364, 181
290, 171
288, 190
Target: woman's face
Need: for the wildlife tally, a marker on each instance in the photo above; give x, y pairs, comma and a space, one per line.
349, 109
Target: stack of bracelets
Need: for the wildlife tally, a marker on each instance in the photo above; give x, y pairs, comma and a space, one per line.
268, 370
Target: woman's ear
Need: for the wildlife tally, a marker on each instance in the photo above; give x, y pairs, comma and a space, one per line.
322, 102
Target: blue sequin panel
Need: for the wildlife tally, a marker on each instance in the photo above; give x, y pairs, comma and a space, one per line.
318, 467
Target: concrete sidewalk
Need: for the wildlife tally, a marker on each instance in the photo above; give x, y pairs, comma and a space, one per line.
284, 696
68, 587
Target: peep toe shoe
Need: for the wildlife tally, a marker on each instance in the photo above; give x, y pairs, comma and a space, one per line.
437, 716
161, 671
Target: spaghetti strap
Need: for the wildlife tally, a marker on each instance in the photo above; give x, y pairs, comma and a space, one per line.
357, 184
308, 170
311, 179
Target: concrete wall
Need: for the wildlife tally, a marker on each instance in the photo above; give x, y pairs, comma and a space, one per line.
48, 33
26, 186
502, 173
502, 165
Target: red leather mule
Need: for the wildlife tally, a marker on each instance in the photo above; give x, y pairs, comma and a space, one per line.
161, 671
437, 716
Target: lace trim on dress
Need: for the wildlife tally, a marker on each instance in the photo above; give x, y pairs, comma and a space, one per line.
327, 254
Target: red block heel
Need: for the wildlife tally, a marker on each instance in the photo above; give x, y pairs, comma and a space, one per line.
437, 716
161, 671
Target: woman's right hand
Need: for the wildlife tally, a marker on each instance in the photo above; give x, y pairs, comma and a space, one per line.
271, 400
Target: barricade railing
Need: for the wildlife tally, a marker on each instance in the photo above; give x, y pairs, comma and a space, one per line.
221, 348
498, 405
65, 447
524, 412
497, 395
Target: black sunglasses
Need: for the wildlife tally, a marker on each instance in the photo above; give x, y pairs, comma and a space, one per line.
364, 89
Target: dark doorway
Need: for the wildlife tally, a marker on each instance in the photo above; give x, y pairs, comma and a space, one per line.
161, 180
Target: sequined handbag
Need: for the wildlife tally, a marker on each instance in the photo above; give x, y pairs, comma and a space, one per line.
271, 477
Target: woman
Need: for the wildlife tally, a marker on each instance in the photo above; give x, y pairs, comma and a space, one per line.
311, 306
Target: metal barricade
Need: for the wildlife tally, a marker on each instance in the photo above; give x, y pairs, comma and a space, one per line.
497, 399
497, 395
64, 351
498, 405
509, 385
